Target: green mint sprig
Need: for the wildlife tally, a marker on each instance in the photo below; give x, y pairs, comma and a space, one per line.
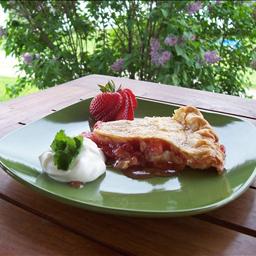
65, 149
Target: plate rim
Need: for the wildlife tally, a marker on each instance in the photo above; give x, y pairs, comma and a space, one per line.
130, 211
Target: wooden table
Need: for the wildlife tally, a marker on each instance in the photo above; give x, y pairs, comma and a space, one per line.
31, 224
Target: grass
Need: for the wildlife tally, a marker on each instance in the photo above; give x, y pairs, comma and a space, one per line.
252, 77
10, 80
3, 82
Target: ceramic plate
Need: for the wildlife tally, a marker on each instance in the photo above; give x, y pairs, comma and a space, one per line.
189, 192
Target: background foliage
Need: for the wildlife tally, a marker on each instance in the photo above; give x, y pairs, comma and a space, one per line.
205, 45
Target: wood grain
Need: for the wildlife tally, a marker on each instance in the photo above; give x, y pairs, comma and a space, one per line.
33, 107
254, 184
41, 103
184, 96
138, 236
29, 108
132, 236
23, 233
239, 214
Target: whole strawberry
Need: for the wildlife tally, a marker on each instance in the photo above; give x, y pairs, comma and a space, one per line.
113, 105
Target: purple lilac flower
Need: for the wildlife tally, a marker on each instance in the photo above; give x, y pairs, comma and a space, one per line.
158, 57
2, 31
211, 57
154, 53
118, 65
171, 40
164, 57
154, 44
194, 7
253, 64
27, 58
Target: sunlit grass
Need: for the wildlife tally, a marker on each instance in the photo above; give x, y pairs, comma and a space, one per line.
252, 77
4, 81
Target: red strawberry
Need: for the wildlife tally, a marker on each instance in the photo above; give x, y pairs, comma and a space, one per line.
106, 105
132, 96
123, 112
129, 104
131, 108
113, 105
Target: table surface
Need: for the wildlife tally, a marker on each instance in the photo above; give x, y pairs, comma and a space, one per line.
32, 224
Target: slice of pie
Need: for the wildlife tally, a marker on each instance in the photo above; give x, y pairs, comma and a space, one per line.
185, 139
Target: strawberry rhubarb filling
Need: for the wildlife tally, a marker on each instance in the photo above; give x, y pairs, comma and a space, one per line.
152, 155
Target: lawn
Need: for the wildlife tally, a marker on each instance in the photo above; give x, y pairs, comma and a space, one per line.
10, 80
3, 82
253, 79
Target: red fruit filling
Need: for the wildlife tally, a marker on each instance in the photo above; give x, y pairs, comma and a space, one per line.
222, 148
76, 184
147, 153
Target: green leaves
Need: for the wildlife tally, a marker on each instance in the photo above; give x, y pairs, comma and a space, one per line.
74, 39
65, 149
108, 87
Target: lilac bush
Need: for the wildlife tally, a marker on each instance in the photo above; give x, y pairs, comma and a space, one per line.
158, 56
154, 50
118, 65
211, 57
27, 58
171, 40
164, 57
181, 43
194, 7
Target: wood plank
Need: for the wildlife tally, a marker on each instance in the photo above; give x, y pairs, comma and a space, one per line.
183, 96
136, 236
41, 103
35, 106
32, 107
239, 214
23, 233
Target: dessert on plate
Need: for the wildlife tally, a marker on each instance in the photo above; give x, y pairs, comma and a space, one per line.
74, 160
77, 160
161, 143
141, 148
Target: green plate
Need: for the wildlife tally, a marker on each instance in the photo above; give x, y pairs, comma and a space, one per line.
189, 192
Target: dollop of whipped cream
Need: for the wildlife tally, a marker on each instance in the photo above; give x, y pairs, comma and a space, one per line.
86, 167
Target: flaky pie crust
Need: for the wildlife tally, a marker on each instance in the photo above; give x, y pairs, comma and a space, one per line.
187, 131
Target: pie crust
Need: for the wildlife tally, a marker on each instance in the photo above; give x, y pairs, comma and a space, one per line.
185, 139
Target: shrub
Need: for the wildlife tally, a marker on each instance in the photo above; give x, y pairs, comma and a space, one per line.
204, 45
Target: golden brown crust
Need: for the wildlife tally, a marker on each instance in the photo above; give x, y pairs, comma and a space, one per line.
187, 131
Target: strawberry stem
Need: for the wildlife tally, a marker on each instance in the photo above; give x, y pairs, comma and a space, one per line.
108, 87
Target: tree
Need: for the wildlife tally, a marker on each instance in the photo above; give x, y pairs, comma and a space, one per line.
205, 45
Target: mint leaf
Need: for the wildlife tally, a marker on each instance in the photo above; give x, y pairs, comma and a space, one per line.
65, 149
